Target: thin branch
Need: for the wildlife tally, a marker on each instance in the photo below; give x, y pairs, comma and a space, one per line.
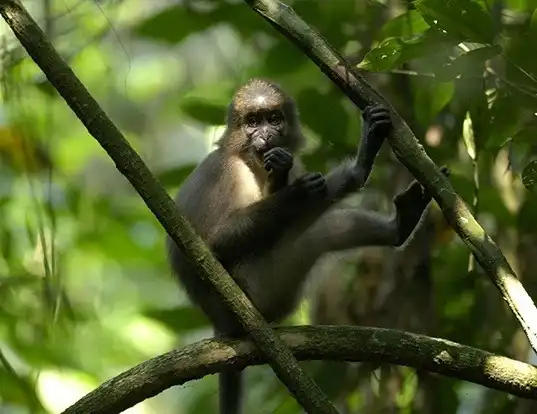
411, 153
343, 343
129, 163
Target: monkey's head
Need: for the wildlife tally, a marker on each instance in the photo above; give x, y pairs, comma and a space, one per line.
261, 116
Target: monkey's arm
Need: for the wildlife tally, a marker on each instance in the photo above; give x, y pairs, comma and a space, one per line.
351, 175
277, 182
258, 226
342, 229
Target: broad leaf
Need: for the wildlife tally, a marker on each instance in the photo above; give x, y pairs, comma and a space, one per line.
404, 26
393, 52
529, 176
463, 20
506, 120
468, 64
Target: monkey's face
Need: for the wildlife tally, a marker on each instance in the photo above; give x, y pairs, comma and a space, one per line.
265, 130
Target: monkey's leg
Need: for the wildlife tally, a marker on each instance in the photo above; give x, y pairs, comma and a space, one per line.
347, 228
342, 229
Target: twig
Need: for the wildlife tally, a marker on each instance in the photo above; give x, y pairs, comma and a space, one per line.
411, 153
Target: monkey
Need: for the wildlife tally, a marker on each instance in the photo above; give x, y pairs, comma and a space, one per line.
267, 220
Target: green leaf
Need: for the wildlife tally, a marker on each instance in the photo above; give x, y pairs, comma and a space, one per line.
468, 64
393, 52
506, 120
179, 319
471, 98
468, 136
404, 25
529, 176
430, 98
463, 20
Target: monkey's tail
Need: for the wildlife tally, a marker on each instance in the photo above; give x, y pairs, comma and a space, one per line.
230, 392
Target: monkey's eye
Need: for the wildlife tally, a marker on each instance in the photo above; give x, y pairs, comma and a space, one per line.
253, 121
275, 119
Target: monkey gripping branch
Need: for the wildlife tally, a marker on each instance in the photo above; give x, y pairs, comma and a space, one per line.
411, 154
129, 163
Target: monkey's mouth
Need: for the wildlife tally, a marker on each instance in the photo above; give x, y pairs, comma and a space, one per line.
261, 146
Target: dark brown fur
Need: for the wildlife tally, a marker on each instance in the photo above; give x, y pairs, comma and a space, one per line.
269, 241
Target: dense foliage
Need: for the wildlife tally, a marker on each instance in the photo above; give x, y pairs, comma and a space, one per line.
85, 292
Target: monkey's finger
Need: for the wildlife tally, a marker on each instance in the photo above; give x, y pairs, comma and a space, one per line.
370, 108
383, 125
318, 181
374, 111
279, 159
380, 116
286, 157
278, 151
274, 162
271, 151
315, 189
311, 176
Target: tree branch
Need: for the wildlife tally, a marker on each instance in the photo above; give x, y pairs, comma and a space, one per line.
343, 343
411, 153
129, 163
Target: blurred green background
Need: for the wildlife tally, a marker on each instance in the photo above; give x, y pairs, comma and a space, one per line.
85, 291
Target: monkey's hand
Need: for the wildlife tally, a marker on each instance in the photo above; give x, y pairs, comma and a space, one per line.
410, 205
308, 186
376, 126
278, 161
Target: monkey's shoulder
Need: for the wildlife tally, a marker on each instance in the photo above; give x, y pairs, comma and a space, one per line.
197, 190
219, 185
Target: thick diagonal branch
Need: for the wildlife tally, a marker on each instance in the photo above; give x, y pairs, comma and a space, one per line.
129, 163
411, 153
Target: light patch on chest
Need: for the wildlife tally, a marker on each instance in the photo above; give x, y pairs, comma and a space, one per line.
246, 186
